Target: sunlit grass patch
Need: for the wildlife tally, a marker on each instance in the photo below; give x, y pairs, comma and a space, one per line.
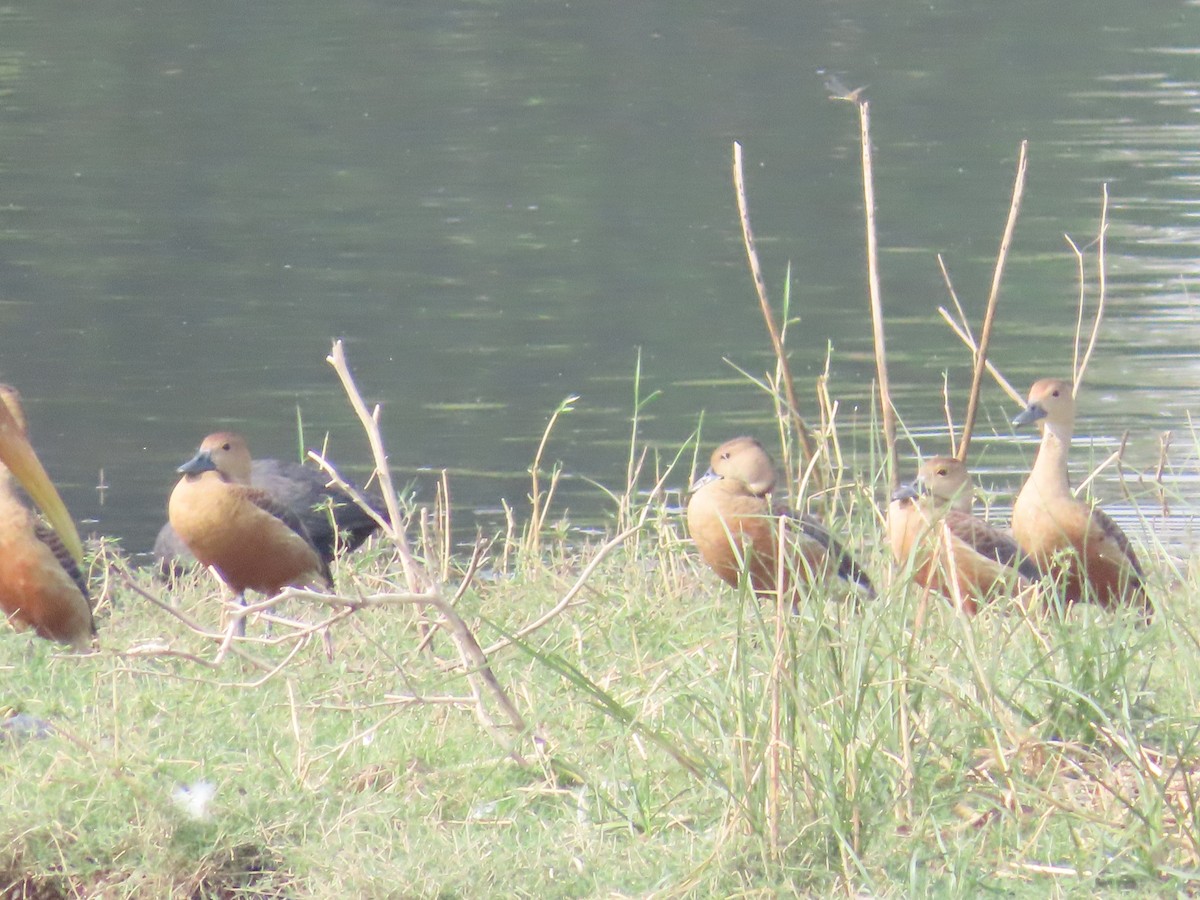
682, 736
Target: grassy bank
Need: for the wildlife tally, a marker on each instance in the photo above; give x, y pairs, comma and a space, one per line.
682, 739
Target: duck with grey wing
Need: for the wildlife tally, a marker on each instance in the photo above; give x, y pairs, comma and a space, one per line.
735, 526
950, 550
253, 541
1077, 544
335, 522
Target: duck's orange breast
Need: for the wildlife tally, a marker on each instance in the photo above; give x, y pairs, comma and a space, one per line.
252, 549
734, 533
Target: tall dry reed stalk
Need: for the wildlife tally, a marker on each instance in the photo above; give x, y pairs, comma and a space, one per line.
985, 336
804, 433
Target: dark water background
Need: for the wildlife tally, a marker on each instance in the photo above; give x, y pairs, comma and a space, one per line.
498, 204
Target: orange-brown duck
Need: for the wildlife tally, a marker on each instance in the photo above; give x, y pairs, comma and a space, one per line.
735, 527
335, 523
931, 528
1085, 551
252, 540
41, 584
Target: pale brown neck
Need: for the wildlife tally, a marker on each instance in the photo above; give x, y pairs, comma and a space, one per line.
1050, 468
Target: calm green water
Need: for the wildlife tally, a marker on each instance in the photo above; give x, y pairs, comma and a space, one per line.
497, 204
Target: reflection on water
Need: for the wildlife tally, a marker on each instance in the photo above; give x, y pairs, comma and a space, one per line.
498, 211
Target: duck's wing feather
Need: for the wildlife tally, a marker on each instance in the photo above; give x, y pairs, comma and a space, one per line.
327, 510
847, 568
989, 541
1112, 532
54, 544
265, 501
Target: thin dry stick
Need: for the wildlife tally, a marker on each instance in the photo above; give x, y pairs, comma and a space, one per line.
221, 638
1080, 303
1164, 449
966, 338
885, 392
962, 316
336, 480
946, 407
1101, 278
446, 525
370, 423
908, 775
985, 337
472, 567
1113, 457
806, 441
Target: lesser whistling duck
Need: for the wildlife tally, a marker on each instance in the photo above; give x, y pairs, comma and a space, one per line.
335, 522
1085, 551
732, 521
932, 516
41, 584
251, 539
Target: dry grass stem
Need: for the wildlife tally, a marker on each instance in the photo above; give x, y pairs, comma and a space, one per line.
947, 409
885, 392
1164, 450
539, 500
962, 316
1113, 457
802, 429
1079, 366
993, 298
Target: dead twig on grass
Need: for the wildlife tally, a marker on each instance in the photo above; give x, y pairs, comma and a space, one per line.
224, 639
472, 660
478, 552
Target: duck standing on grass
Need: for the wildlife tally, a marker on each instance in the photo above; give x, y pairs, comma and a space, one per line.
41, 584
952, 551
253, 541
1085, 551
336, 524
735, 527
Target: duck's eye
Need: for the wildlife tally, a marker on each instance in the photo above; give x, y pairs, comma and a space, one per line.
226, 447
1054, 393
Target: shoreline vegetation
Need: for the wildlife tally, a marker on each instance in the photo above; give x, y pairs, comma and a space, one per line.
543, 717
